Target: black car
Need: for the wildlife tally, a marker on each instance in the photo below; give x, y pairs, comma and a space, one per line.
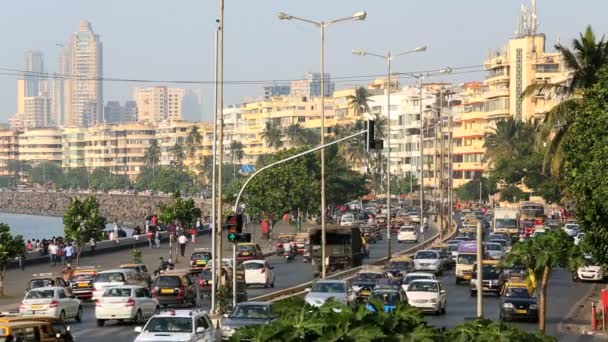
517, 303
246, 315
364, 282
492, 278
398, 268
175, 287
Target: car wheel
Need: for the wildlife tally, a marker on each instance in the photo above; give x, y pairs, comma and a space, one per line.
62, 315
100, 322
79, 314
138, 317
443, 310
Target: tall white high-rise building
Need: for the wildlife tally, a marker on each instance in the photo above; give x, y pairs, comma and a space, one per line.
159, 103
84, 86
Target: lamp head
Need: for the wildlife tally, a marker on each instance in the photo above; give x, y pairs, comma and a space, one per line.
360, 15
359, 52
420, 48
446, 70
284, 16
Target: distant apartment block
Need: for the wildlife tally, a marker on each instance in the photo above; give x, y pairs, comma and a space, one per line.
117, 113
159, 103
276, 90
310, 86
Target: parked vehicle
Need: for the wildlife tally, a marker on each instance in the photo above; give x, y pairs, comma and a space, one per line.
130, 302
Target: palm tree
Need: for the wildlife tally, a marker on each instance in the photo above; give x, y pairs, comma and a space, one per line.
272, 134
508, 140
359, 102
584, 61
236, 153
541, 256
177, 151
193, 140
152, 156
295, 134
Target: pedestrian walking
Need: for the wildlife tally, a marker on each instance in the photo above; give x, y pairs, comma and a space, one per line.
182, 240
68, 251
150, 236
93, 244
60, 253
21, 261
157, 238
193, 235
53, 249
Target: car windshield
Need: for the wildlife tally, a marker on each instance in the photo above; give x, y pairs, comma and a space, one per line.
250, 311
40, 294
117, 292
406, 229
489, 271
113, 277
82, 277
410, 278
167, 281
397, 265
245, 248
494, 247
41, 283
169, 324
253, 266
387, 298
329, 288
368, 276
466, 259
201, 256
426, 255
505, 223
519, 292
423, 286
501, 242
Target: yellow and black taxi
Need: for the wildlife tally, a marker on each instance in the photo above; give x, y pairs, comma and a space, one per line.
518, 302
46, 280
42, 329
175, 287
199, 259
82, 281
399, 266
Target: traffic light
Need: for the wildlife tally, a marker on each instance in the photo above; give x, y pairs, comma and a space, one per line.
372, 143
234, 225
236, 238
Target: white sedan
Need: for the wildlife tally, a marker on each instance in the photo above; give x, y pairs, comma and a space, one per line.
258, 272
427, 295
125, 303
51, 301
591, 273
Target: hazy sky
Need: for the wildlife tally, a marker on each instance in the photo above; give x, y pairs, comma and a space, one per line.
174, 40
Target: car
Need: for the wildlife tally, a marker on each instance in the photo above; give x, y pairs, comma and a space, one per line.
175, 287
591, 271
446, 256
428, 260
505, 243
407, 234
538, 232
410, 277
178, 325
347, 219
82, 281
324, 289
132, 303
389, 297
51, 301
364, 282
30, 330
427, 295
142, 269
492, 278
45, 280
248, 251
399, 266
497, 236
258, 272
494, 250
246, 315
50, 326
199, 259
571, 229
579, 238
517, 303
116, 277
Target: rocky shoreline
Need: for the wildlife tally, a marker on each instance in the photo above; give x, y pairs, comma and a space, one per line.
129, 210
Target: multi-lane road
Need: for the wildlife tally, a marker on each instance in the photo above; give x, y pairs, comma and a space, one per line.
286, 274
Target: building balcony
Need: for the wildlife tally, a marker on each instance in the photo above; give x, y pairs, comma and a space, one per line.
475, 115
501, 113
496, 92
464, 166
478, 130
476, 148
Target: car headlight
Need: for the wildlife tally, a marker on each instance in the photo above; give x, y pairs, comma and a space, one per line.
533, 306
473, 281
434, 300
227, 329
356, 288
507, 306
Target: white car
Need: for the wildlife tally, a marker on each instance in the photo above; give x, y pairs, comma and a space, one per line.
591, 271
415, 217
571, 229
428, 260
258, 272
51, 301
178, 325
494, 250
347, 219
579, 238
410, 277
125, 303
407, 234
538, 232
324, 289
427, 295
116, 277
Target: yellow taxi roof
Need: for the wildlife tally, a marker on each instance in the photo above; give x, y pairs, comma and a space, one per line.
516, 284
246, 244
131, 265
489, 262
401, 258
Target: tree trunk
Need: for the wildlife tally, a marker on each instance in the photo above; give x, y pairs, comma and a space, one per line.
2, 274
543, 299
78, 251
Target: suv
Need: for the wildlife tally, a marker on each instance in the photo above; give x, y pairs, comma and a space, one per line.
248, 251
199, 259
175, 287
141, 269
178, 325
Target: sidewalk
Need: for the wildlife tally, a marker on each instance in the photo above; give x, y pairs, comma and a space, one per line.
578, 320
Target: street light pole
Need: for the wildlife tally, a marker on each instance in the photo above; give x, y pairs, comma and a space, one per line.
214, 262
388, 58
220, 146
322, 25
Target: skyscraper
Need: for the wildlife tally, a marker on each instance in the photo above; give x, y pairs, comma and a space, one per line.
84, 86
34, 67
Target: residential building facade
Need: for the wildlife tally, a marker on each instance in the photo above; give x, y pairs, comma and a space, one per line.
159, 103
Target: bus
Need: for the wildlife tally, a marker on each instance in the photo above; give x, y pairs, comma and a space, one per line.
531, 216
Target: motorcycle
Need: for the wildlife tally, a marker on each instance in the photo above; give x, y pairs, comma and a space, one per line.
289, 255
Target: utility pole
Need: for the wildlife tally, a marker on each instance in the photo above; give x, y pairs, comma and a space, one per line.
220, 145
421, 153
435, 167
441, 167
451, 160
214, 263
479, 266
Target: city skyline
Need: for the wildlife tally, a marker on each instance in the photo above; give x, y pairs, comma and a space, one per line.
290, 50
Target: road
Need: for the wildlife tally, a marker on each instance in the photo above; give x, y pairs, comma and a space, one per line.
286, 275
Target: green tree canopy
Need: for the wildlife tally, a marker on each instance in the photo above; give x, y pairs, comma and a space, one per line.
47, 172
10, 248
470, 190
82, 222
75, 178
181, 210
103, 179
272, 135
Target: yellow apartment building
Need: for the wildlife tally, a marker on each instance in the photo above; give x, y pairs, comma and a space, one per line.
38, 145
9, 149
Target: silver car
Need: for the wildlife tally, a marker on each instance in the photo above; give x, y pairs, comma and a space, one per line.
322, 290
495, 250
428, 260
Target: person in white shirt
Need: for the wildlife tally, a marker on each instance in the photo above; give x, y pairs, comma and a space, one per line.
53, 250
182, 240
68, 251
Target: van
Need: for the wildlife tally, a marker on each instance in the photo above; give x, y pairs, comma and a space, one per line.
31, 330
407, 234
116, 277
